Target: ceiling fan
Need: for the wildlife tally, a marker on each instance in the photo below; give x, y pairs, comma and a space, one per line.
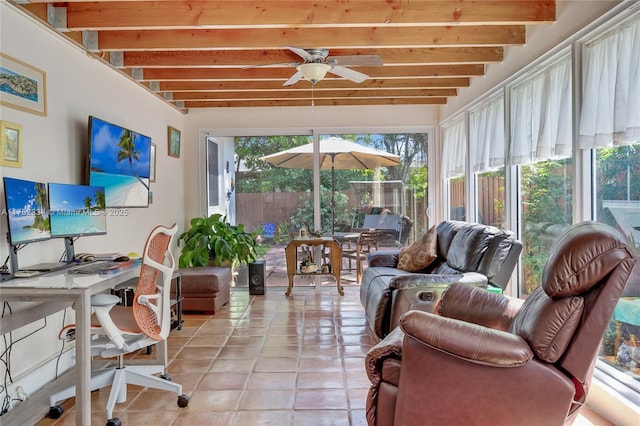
317, 63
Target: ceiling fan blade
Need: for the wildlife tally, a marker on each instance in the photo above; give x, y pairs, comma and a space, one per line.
293, 79
301, 52
349, 74
276, 65
355, 60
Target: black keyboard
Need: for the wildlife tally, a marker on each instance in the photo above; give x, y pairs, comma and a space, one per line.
90, 268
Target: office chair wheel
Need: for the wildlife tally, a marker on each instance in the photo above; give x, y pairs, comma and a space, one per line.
166, 377
55, 412
114, 422
183, 401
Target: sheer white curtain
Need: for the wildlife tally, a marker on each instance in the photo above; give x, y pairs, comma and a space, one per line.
611, 87
487, 135
541, 120
454, 148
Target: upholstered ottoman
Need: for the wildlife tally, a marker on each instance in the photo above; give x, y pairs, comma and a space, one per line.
204, 288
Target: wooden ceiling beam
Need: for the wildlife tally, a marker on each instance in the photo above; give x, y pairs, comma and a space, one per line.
274, 38
306, 94
243, 58
285, 13
318, 102
415, 83
229, 74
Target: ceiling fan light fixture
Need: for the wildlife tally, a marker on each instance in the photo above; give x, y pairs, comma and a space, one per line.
313, 71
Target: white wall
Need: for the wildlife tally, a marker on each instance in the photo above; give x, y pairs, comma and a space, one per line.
55, 147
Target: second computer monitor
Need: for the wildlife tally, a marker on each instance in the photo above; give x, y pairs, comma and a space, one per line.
77, 210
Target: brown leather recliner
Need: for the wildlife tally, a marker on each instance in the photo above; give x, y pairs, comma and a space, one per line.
486, 360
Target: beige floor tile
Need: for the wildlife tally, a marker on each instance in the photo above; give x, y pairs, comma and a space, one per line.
229, 381
262, 418
321, 380
255, 399
193, 418
272, 381
321, 418
275, 365
323, 399
216, 400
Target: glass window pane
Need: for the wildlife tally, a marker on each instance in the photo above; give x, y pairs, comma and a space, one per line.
491, 198
617, 178
457, 209
546, 211
398, 190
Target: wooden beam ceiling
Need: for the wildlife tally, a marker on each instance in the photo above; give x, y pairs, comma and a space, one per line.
230, 53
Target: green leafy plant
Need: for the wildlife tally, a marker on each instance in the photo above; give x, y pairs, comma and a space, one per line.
213, 240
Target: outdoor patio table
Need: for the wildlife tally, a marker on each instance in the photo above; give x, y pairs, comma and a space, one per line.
291, 252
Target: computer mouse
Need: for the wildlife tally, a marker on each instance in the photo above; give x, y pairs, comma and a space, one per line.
121, 259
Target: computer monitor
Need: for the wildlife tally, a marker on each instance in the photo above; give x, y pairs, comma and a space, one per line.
77, 210
27, 210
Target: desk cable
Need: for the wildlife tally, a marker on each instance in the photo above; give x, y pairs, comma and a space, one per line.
5, 358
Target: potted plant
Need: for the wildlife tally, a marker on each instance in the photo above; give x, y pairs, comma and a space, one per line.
214, 241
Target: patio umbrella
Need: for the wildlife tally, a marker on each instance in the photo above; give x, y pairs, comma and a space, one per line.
335, 154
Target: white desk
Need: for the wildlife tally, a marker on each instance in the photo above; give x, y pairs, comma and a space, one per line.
56, 291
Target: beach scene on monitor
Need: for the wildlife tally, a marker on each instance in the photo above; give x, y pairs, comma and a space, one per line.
77, 210
28, 211
120, 162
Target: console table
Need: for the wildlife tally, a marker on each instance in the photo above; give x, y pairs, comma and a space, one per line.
291, 252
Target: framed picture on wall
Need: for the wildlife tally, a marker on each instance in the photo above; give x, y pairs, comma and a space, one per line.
174, 142
23, 86
10, 144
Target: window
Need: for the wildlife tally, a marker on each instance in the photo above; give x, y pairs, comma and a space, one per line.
400, 190
486, 152
540, 148
454, 156
610, 127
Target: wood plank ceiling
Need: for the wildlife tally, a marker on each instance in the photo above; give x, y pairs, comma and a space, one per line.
198, 54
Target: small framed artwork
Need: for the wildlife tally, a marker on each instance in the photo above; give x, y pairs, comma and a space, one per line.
174, 142
152, 163
10, 144
23, 86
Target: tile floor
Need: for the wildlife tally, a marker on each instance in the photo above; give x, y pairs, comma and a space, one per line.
261, 360
265, 360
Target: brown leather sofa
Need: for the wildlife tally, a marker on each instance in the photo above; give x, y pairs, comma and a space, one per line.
487, 360
471, 253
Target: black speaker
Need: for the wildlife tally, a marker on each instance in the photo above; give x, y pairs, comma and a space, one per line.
257, 277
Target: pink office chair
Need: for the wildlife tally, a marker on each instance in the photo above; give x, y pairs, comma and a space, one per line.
120, 330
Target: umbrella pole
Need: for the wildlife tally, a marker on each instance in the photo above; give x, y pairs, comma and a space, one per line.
333, 189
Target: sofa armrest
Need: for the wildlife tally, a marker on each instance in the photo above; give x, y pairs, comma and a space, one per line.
390, 346
479, 306
471, 342
387, 258
403, 282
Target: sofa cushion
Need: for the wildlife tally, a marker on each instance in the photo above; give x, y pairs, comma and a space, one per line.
548, 324
420, 254
469, 245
